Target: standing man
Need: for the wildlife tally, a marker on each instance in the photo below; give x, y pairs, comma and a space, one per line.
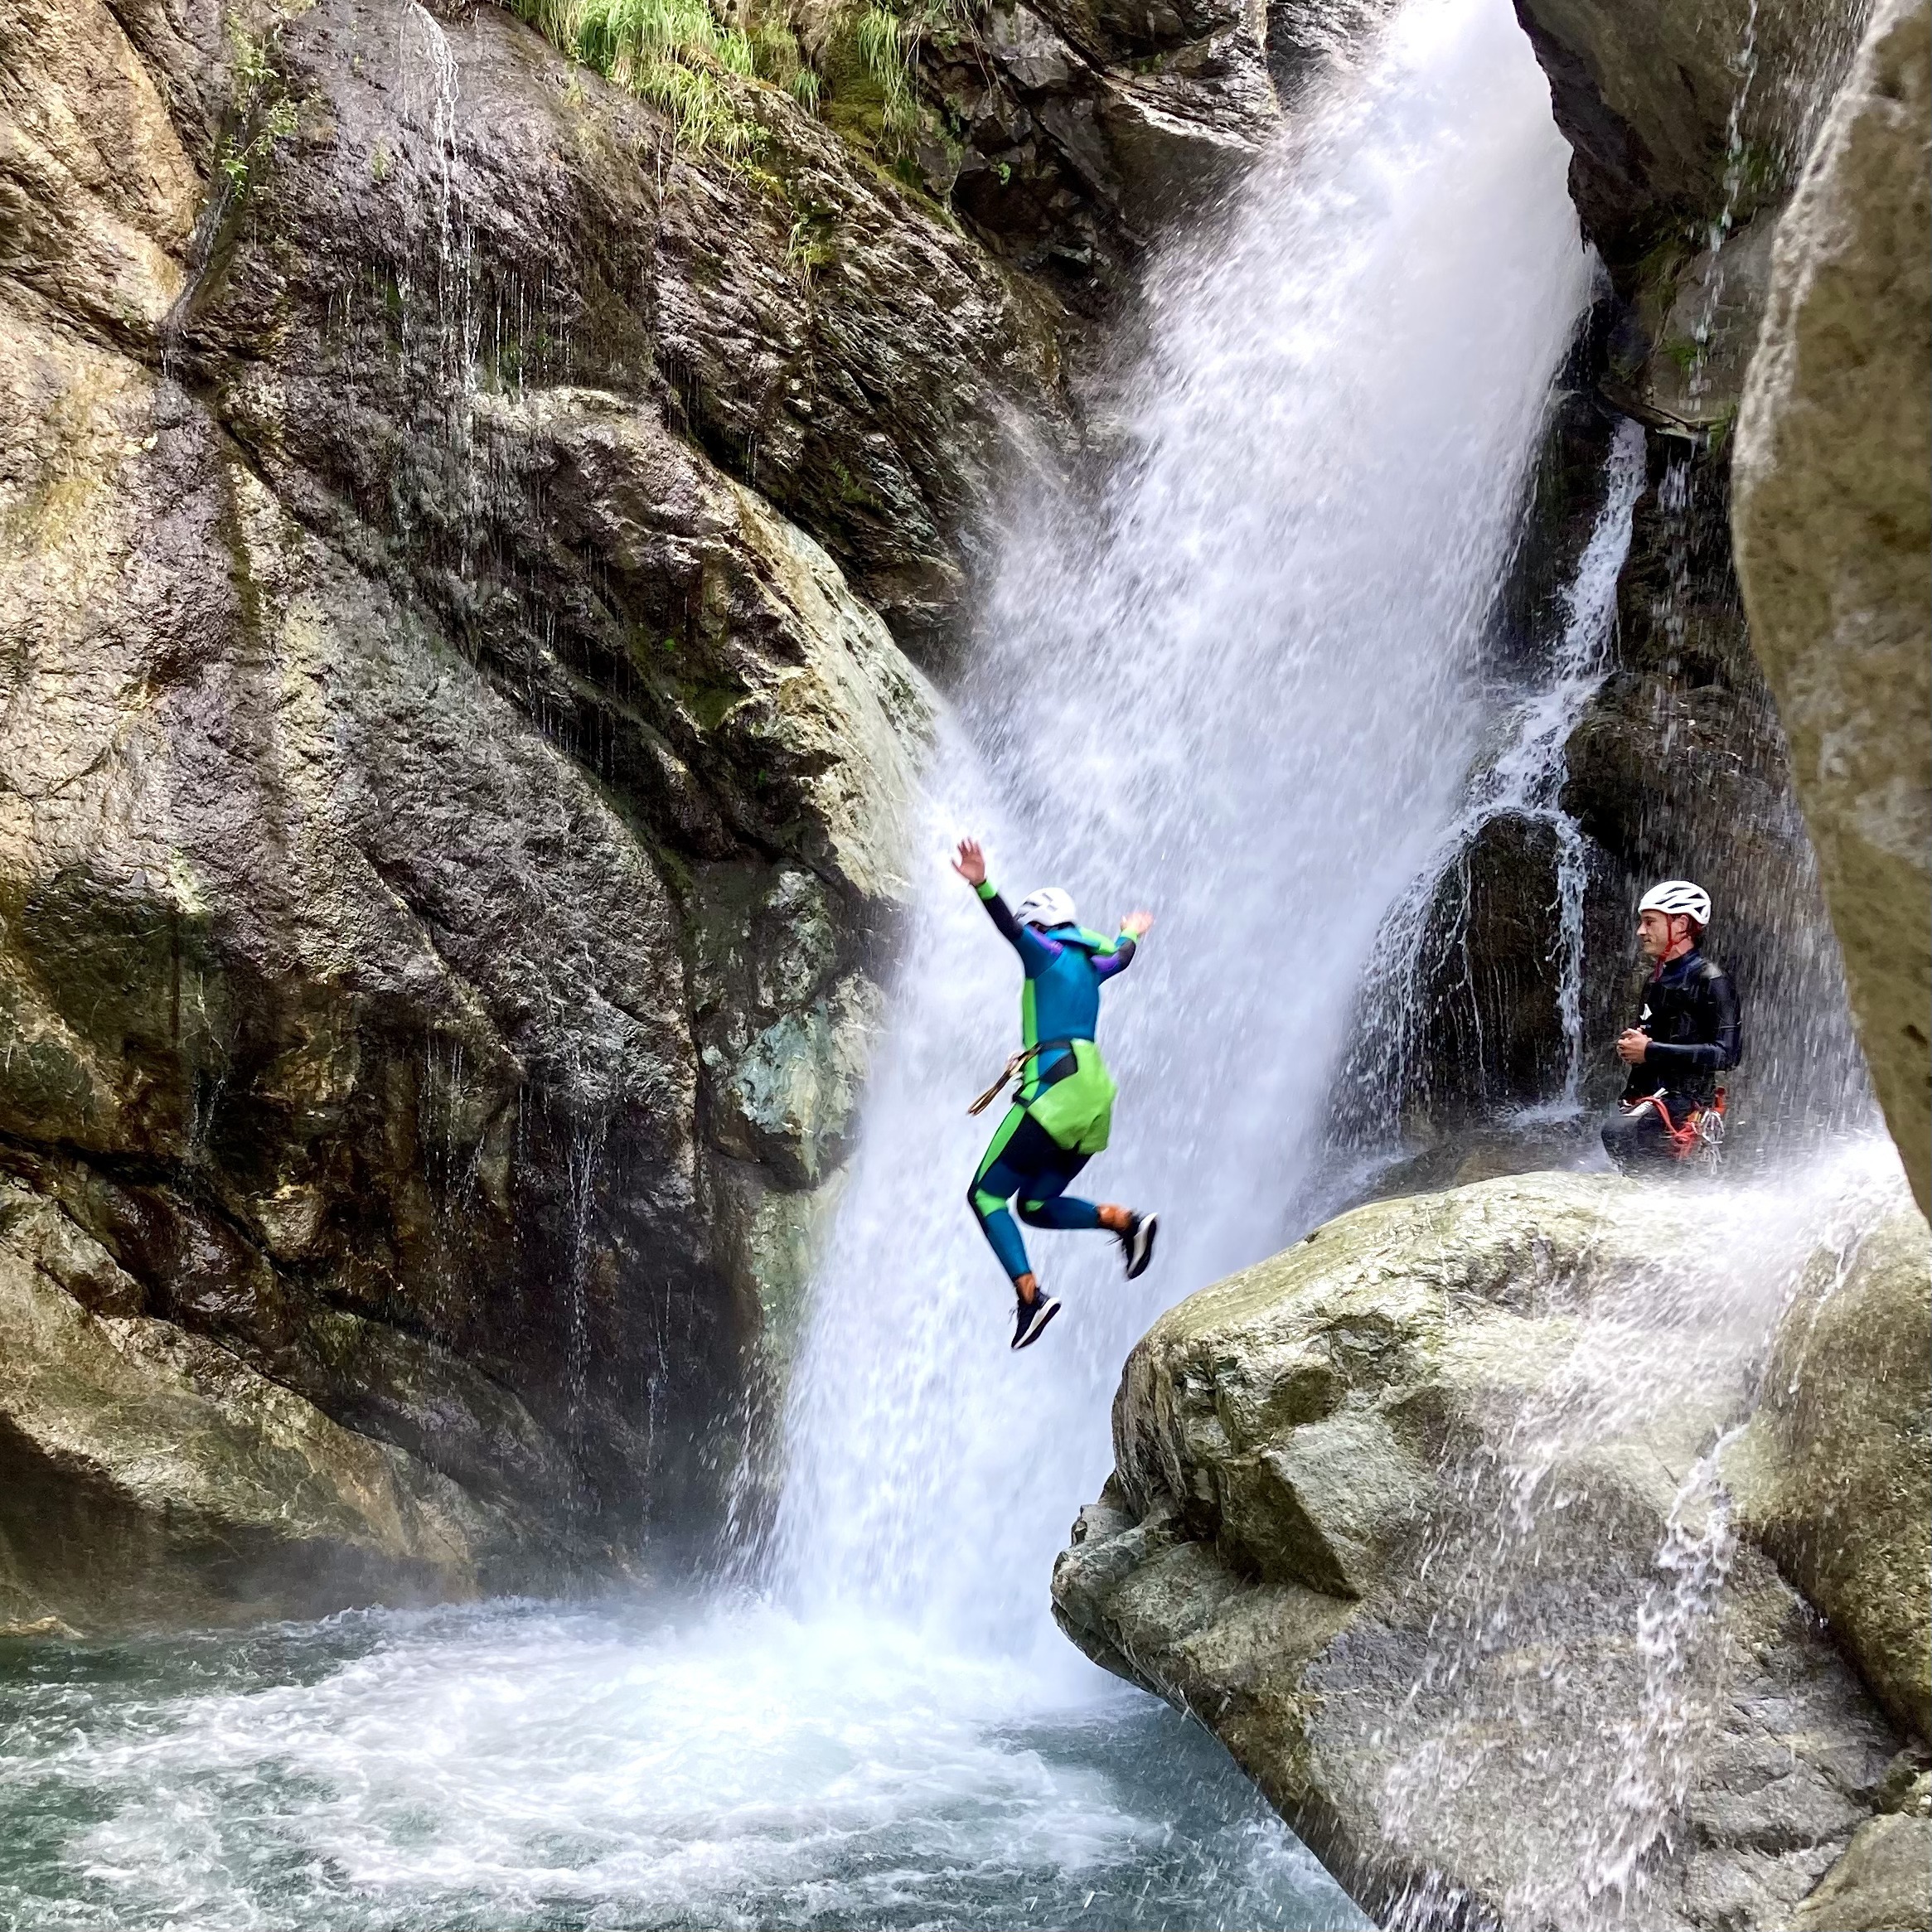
1064, 1110
1685, 1037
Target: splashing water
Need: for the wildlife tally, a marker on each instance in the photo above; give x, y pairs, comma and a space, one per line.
1575, 1680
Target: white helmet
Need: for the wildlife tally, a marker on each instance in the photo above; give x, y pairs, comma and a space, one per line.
1679, 895
1047, 908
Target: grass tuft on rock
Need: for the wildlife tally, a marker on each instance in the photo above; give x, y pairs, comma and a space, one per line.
673, 53
679, 55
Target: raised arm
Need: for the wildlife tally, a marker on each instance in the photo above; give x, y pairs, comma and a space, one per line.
1034, 950
1105, 965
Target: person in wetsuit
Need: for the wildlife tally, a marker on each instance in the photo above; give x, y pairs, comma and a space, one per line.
1686, 1035
1064, 1110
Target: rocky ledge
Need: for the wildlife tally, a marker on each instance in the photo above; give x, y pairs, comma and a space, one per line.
1452, 1522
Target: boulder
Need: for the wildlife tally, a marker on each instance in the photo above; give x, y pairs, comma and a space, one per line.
1833, 525
1424, 1519
1835, 1475
148, 1475
1883, 1883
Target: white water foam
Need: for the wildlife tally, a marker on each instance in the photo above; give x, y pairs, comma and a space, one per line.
520, 1765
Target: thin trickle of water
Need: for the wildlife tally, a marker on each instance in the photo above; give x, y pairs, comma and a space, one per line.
1524, 780
1242, 689
429, 86
1657, 1749
1573, 1683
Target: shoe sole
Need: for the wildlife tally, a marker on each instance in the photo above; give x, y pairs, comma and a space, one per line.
1143, 1249
1043, 1311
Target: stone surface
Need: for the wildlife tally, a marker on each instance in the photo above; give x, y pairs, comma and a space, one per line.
1835, 1475
1084, 128
1681, 119
146, 1472
1883, 1883
1419, 1518
453, 767
1678, 768
1834, 523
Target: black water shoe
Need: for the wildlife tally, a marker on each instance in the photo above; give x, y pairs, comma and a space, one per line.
1137, 1243
1030, 1318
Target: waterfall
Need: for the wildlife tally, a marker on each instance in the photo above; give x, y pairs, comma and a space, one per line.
1522, 779
1238, 687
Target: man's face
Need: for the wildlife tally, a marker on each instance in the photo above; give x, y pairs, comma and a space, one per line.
1654, 934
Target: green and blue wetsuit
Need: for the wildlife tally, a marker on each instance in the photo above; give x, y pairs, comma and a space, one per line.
1065, 1108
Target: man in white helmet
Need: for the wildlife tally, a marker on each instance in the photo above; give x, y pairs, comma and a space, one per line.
1685, 1037
1064, 1110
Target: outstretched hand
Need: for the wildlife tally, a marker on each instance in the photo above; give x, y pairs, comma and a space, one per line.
971, 864
1136, 924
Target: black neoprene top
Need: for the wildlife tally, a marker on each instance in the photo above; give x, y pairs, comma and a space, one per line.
1690, 1012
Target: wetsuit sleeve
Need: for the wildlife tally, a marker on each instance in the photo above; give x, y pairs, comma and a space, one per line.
1716, 1055
1035, 952
1105, 965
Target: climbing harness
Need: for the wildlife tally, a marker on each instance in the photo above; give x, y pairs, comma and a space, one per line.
1012, 1066
1699, 1136
1076, 1106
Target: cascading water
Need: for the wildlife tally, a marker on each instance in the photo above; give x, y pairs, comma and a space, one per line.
1523, 780
1240, 692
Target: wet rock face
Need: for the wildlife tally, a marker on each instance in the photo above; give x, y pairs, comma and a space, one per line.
1679, 768
1833, 519
1085, 127
1417, 1517
1680, 119
451, 794
152, 1472
800, 317
1689, 131
1835, 1473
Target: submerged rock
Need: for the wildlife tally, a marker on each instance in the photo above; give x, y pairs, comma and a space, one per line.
1423, 1518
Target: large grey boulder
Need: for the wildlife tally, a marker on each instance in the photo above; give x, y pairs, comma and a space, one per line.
1422, 1517
148, 1474
1833, 522
1835, 1475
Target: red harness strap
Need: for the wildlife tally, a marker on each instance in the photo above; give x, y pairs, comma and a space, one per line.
1684, 1140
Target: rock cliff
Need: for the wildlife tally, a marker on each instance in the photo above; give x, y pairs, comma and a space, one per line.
472, 546
1833, 520
1781, 761
452, 780
1430, 1520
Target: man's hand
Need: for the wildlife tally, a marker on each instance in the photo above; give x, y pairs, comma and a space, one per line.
972, 862
1136, 924
1632, 1045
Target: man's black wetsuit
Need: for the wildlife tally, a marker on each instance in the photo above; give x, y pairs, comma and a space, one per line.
1690, 1012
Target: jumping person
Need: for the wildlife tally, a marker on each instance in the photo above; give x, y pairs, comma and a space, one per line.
1064, 1110
1686, 1036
